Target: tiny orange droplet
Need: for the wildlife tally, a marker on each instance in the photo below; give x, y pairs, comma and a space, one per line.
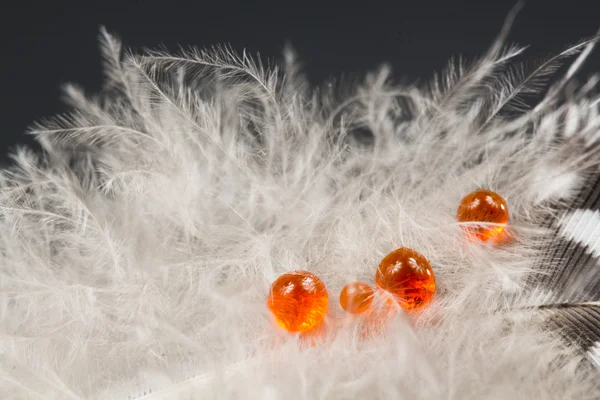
298, 300
483, 206
408, 277
356, 297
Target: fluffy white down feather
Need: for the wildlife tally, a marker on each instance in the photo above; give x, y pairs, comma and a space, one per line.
138, 251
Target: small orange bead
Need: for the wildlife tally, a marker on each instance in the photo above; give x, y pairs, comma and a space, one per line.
408, 277
298, 300
483, 206
356, 297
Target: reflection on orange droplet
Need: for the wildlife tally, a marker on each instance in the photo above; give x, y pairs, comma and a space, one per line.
408, 277
314, 337
484, 206
380, 314
356, 297
298, 300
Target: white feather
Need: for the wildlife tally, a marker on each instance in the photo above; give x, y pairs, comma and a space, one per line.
137, 255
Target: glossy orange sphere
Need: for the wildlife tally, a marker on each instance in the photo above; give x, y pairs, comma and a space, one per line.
408, 277
356, 297
483, 206
298, 300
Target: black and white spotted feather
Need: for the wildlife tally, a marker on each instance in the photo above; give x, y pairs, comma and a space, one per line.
136, 252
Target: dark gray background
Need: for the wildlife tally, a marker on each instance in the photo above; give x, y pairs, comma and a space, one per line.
48, 45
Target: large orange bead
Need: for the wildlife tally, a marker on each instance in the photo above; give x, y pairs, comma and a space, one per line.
356, 297
483, 206
298, 300
408, 277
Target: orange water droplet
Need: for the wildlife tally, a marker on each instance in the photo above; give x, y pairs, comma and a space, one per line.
483, 206
298, 300
356, 297
408, 277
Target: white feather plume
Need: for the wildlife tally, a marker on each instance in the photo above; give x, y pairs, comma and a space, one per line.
138, 250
